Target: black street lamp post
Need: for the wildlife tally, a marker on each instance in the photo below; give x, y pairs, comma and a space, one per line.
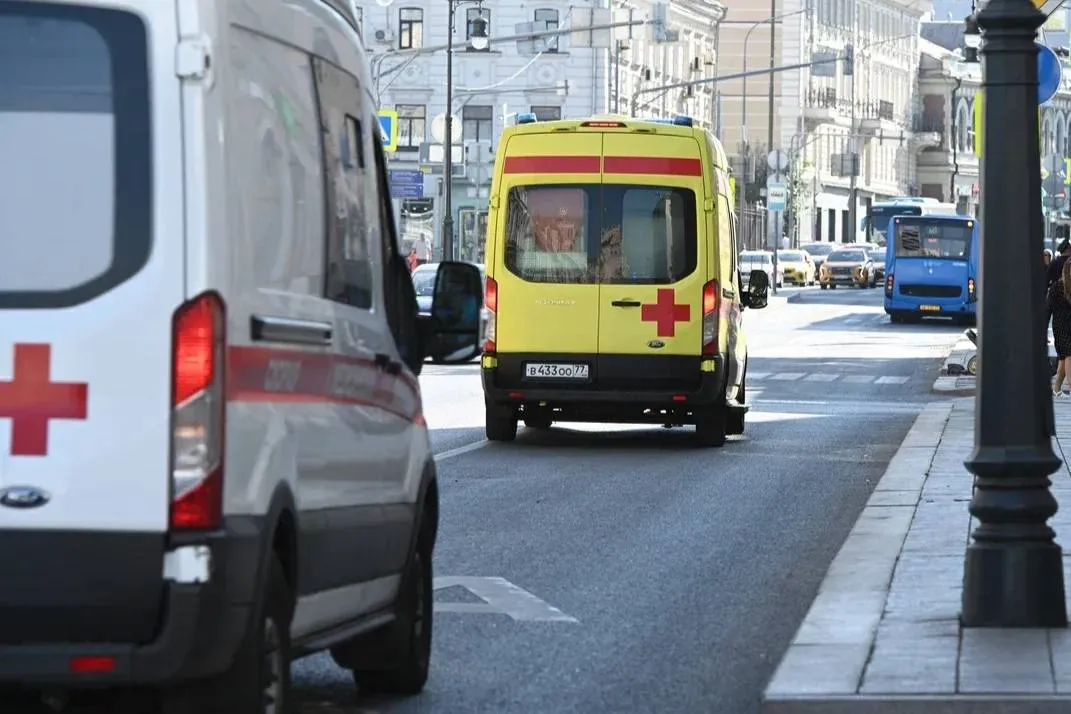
1013, 572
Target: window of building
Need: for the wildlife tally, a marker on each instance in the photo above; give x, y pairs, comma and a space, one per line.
471, 16
550, 17
410, 28
547, 113
352, 249
412, 126
477, 123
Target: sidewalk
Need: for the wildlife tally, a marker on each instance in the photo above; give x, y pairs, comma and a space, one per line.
883, 634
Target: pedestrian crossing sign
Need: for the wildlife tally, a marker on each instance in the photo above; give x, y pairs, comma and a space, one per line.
388, 129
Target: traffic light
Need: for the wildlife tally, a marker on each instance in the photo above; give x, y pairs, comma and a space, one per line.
849, 60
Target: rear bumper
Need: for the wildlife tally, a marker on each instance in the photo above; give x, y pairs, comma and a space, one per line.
196, 628
948, 308
656, 383
843, 280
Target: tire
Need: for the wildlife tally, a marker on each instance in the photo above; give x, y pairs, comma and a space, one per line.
404, 647
262, 661
832, 286
735, 420
711, 427
824, 286
500, 424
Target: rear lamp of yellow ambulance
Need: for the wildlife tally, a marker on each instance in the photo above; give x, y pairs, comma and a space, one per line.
711, 306
197, 411
490, 301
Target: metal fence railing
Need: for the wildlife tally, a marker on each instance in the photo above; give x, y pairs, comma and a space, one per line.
752, 223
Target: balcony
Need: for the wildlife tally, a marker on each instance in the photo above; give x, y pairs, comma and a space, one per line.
878, 117
928, 131
822, 106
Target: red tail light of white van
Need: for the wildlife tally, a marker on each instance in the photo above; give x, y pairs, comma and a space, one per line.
711, 308
198, 404
490, 301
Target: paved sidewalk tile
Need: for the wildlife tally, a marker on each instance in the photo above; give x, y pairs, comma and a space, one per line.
883, 632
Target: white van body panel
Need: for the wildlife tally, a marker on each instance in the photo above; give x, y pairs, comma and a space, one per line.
108, 472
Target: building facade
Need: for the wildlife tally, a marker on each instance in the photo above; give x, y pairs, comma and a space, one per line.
549, 77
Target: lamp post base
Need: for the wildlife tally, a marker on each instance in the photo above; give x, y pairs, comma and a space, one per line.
1014, 585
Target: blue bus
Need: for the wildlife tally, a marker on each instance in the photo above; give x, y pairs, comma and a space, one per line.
875, 225
931, 267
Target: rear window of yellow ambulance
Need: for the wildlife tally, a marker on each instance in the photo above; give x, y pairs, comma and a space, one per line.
601, 233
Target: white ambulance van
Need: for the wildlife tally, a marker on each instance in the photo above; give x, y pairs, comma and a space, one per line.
213, 458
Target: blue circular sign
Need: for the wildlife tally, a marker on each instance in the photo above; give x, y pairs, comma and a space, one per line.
1049, 72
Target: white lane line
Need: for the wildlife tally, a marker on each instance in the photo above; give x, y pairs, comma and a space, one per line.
821, 377
852, 321
787, 376
890, 380
451, 453
757, 376
858, 379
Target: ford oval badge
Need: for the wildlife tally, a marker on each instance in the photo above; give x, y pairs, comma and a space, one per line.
23, 497
656, 344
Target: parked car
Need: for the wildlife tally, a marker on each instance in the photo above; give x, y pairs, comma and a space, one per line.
818, 253
798, 267
448, 349
848, 266
759, 260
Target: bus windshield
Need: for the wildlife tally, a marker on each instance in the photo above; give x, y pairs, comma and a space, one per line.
917, 238
876, 224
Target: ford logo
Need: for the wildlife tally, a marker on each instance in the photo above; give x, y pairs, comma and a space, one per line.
656, 344
23, 497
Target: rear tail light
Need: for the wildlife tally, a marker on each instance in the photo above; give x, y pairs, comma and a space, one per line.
889, 284
490, 301
971, 294
605, 124
197, 414
711, 308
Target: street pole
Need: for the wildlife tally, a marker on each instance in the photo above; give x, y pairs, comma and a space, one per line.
448, 142
770, 136
1013, 570
853, 181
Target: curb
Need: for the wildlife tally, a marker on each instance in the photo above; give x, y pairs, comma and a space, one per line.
794, 298
955, 385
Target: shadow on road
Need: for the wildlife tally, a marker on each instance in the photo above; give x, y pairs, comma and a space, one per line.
875, 322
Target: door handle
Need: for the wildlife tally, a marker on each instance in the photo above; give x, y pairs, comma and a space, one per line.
626, 303
269, 328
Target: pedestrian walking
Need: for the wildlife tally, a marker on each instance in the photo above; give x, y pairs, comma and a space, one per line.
1059, 300
1056, 265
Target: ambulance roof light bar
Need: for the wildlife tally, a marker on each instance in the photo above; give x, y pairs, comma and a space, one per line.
526, 118
679, 120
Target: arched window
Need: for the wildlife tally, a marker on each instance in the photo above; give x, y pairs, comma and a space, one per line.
1060, 142
964, 129
1046, 133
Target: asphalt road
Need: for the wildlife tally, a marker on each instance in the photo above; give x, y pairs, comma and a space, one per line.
636, 573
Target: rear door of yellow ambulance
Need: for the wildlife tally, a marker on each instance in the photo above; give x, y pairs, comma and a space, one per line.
547, 324
652, 262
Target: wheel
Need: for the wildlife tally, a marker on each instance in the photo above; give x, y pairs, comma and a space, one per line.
711, 426
896, 318
824, 286
500, 423
833, 286
258, 680
399, 656
537, 421
734, 423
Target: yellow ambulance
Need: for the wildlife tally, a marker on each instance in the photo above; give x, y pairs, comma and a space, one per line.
613, 292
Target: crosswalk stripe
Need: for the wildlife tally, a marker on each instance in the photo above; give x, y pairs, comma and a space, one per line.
890, 380
787, 376
820, 377
757, 376
858, 379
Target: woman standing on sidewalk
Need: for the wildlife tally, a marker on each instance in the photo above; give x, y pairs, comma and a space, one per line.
1059, 299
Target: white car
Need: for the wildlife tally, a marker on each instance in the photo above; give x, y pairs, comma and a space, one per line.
759, 260
213, 458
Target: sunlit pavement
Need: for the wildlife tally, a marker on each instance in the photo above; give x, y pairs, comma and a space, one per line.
624, 570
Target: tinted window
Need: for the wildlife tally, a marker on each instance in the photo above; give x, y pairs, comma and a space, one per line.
424, 282
756, 259
847, 256
75, 201
880, 216
818, 249
791, 256
933, 239
351, 251
591, 233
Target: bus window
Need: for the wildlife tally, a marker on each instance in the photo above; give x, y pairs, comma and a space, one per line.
933, 239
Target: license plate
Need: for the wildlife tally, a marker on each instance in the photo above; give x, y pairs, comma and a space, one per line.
930, 308
542, 370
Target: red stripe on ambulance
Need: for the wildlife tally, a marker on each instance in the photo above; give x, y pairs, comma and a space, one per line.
552, 165
256, 374
663, 165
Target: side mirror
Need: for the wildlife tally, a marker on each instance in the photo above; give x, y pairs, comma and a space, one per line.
758, 289
456, 313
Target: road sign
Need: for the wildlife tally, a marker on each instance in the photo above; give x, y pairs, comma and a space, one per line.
1049, 71
388, 128
406, 184
777, 160
776, 196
